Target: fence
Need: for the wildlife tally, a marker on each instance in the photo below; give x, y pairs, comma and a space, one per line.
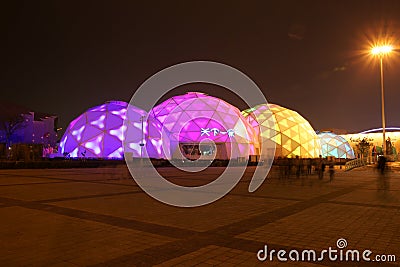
355, 163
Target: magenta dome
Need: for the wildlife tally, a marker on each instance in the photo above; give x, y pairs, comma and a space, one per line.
99, 132
196, 124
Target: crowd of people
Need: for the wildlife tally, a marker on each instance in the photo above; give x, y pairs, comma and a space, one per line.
305, 166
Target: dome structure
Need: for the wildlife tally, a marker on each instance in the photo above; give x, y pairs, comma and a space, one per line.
335, 146
195, 126
99, 132
293, 135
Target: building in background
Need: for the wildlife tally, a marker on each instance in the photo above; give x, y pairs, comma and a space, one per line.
369, 143
38, 129
25, 134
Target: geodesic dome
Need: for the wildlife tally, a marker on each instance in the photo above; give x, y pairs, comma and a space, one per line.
99, 132
293, 135
335, 146
185, 121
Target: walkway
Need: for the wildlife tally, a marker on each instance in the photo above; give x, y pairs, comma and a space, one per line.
100, 217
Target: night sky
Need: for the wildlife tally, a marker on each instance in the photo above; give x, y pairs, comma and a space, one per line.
63, 57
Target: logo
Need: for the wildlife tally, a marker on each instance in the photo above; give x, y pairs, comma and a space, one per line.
339, 254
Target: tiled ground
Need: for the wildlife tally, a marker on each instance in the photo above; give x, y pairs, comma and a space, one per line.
89, 217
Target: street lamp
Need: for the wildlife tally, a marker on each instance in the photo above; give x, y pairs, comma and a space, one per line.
381, 51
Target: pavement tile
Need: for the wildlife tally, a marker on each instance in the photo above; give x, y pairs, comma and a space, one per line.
100, 217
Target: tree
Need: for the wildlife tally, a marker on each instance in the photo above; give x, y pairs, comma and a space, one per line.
11, 120
10, 126
363, 146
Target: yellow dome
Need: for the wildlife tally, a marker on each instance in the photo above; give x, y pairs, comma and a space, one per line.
293, 135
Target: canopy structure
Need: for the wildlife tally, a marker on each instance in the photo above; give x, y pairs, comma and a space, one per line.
335, 146
375, 138
196, 125
99, 132
293, 135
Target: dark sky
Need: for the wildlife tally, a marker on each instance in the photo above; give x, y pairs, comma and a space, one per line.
63, 57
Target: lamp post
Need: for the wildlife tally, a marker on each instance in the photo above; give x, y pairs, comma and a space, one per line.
142, 140
380, 52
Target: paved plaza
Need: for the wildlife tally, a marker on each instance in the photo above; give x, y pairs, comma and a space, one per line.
100, 217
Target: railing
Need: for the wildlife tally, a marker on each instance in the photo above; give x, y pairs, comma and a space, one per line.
355, 163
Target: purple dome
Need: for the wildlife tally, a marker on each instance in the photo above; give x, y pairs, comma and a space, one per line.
99, 132
185, 121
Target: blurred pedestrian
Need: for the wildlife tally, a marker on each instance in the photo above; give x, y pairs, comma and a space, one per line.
281, 165
287, 165
383, 178
309, 166
382, 164
297, 165
321, 167
331, 170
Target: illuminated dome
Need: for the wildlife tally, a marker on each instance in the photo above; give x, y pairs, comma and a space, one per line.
292, 134
98, 132
335, 146
195, 126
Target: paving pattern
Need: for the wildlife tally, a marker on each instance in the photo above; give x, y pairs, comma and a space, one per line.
100, 217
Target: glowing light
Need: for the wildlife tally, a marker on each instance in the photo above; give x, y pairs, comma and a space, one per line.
94, 145
99, 132
62, 143
78, 133
74, 153
121, 113
119, 132
381, 50
215, 131
231, 133
336, 146
193, 117
99, 122
293, 135
117, 153
205, 132
380, 130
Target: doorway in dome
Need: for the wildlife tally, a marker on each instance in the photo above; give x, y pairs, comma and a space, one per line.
202, 151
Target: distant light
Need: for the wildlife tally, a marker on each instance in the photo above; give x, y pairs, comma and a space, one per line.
380, 129
381, 50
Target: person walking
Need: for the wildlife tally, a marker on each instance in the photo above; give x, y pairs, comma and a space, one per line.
383, 178
297, 165
331, 171
321, 167
382, 164
309, 166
